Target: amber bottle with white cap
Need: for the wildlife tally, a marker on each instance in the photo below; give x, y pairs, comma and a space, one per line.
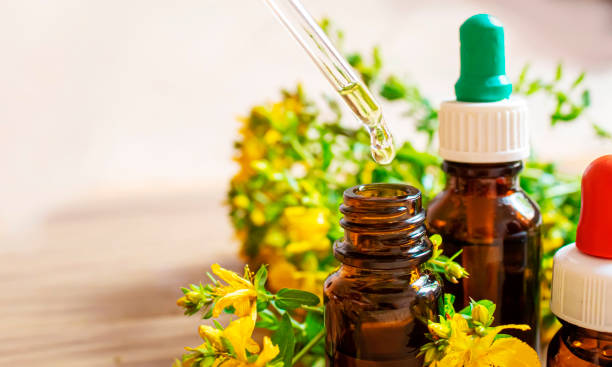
482, 211
582, 279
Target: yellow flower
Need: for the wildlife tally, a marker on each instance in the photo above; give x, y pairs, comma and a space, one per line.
306, 224
465, 350
282, 275
258, 217
299, 247
269, 352
239, 292
238, 333
241, 201
272, 136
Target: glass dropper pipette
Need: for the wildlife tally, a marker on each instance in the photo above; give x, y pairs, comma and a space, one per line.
303, 28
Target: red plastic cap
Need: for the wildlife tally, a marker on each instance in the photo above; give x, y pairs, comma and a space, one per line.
594, 235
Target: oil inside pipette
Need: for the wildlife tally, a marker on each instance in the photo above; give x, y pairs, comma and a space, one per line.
360, 101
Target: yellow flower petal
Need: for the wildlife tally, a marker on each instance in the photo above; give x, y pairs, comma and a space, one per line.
252, 346
486, 341
453, 359
212, 334
510, 352
282, 274
239, 333
240, 299
230, 277
269, 352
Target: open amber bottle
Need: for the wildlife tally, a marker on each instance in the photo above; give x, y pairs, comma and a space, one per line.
378, 302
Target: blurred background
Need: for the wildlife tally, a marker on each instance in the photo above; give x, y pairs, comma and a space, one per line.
116, 128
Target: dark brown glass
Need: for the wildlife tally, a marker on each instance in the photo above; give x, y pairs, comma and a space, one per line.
484, 212
378, 302
574, 346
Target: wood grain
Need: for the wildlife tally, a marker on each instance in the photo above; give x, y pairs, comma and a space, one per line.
97, 284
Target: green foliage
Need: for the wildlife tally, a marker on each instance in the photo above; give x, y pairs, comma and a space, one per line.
285, 339
570, 101
444, 265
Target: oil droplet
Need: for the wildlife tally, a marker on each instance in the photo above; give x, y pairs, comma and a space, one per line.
381, 143
365, 108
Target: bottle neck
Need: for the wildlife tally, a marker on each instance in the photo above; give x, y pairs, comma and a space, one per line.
383, 227
490, 179
589, 345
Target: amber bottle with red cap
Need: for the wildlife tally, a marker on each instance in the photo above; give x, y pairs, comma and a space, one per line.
582, 279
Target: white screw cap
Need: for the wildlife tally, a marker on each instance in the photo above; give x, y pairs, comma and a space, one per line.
484, 132
582, 289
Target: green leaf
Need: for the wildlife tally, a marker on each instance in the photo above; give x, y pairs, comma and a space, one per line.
327, 155
285, 339
534, 86
208, 314
446, 308
376, 56
578, 80
207, 361
218, 325
290, 299
559, 72
267, 320
522, 77
354, 59
227, 344
261, 277
602, 132
489, 305
313, 324
586, 98
393, 89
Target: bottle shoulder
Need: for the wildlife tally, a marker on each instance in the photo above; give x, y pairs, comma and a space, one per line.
568, 349
511, 212
380, 284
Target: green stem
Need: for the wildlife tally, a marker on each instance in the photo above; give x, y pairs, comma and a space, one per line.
313, 309
437, 262
308, 347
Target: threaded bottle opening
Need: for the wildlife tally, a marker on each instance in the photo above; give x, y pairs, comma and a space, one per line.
381, 207
383, 227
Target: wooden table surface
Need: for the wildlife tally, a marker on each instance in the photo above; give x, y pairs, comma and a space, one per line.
96, 285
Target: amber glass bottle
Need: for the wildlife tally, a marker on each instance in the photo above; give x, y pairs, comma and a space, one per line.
574, 346
484, 212
378, 302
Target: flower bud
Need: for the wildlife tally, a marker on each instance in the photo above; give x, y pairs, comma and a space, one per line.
439, 330
213, 335
480, 314
193, 297
454, 269
181, 301
430, 355
480, 330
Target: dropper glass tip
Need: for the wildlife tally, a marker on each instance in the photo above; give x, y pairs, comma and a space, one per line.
382, 146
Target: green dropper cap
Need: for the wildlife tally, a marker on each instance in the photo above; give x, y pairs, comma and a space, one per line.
483, 61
